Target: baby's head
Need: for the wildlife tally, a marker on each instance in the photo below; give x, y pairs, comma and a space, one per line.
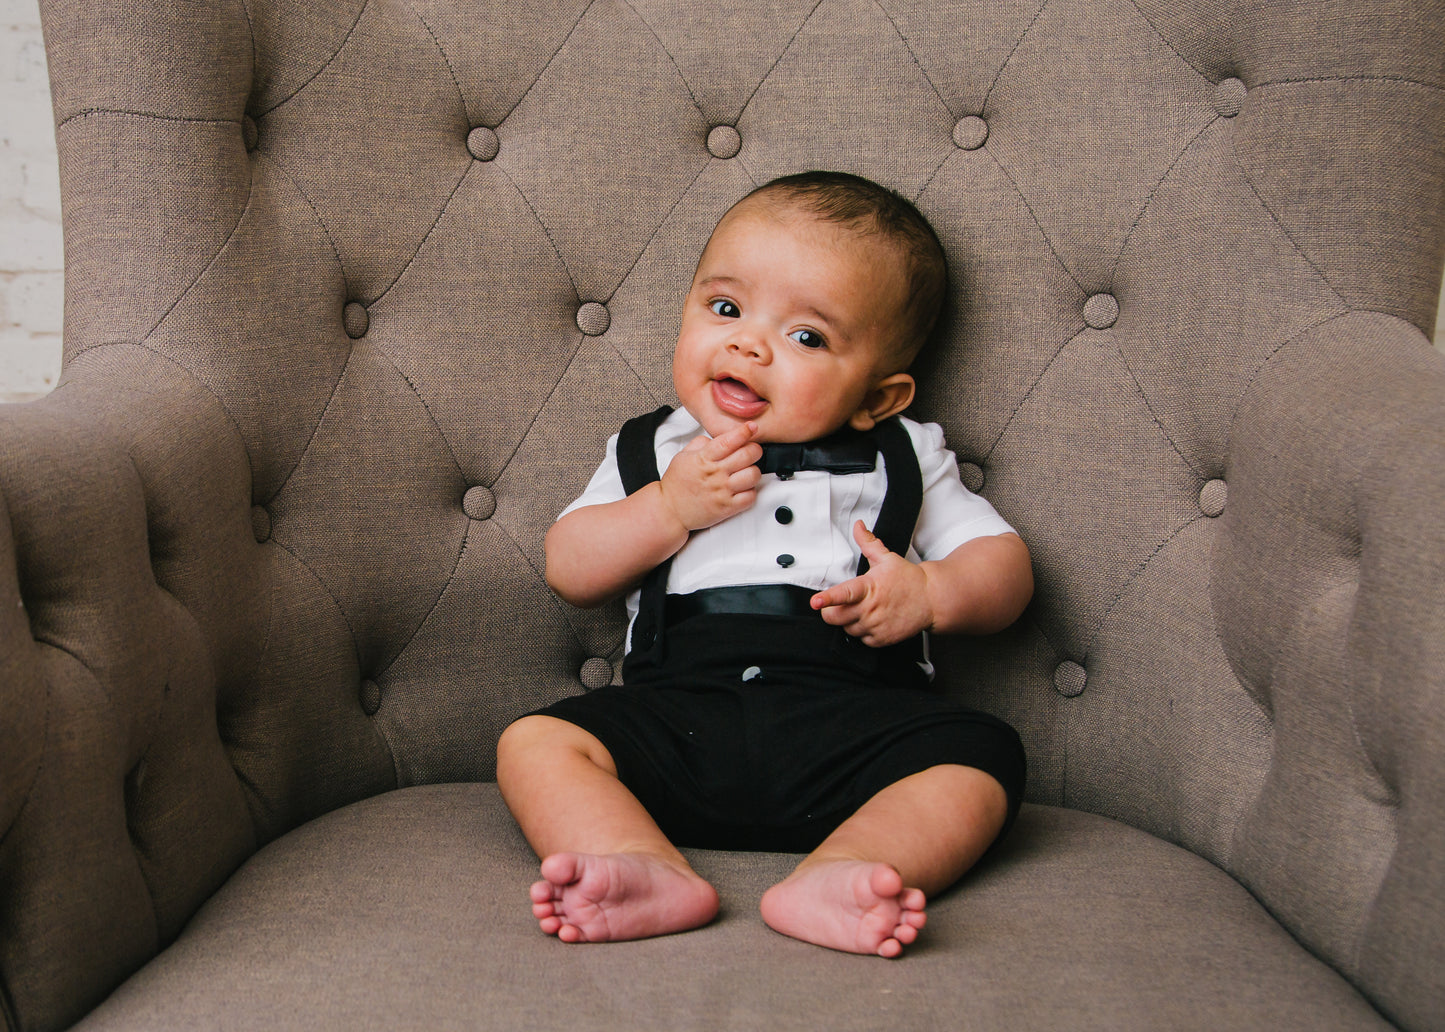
811, 299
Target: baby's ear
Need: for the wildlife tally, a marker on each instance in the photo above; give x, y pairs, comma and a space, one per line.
889, 396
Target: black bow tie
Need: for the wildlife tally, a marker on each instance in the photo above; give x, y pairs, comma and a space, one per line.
847, 451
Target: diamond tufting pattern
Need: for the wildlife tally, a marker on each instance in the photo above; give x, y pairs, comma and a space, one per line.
357, 289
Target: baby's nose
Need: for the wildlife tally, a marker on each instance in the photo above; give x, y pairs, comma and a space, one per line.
750, 344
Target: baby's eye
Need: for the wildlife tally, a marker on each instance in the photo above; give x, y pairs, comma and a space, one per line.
809, 338
725, 308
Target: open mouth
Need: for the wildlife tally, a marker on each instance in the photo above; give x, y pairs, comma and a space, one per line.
736, 398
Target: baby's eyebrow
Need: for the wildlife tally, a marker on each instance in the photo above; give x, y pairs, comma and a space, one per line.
720, 281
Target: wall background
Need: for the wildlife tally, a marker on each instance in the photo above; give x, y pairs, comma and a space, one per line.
31, 255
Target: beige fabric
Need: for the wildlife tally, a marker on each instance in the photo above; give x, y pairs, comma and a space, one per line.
1194, 247
1077, 923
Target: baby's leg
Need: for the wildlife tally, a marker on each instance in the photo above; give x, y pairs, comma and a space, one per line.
608, 872
865, 888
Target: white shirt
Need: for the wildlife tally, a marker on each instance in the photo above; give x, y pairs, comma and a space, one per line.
816, 542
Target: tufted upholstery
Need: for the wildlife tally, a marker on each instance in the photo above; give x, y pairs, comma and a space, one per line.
357, 288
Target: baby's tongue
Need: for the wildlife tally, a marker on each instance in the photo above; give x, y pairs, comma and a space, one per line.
739, 392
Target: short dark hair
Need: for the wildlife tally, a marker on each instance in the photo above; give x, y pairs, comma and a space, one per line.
862, 204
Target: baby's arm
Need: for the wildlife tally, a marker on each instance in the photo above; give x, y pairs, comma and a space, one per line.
980, 587
600, 551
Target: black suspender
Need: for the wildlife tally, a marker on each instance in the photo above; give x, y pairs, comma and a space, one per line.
637, 463
904, 496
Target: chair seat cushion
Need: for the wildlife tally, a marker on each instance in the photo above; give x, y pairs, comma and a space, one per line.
409, 911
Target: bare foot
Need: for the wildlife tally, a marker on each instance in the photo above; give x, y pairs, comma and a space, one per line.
586, 898
851, 905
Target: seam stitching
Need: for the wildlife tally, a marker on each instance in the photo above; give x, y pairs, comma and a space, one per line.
441, 212
545, 232
1244, 176
1029, 393
933, 175
547, 64
445, 60
325, 65
320, 221
675, 67
156, 115
660, 223
782, 54
916, 62
1149, 198
1042, 232
1313, 79
240, 219
551, 597
1134, 575
355, 643
983, 108
401, 649
1162, 39
190, 375
315, 429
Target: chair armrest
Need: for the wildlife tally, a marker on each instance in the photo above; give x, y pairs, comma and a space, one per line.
128, 602
1329, 589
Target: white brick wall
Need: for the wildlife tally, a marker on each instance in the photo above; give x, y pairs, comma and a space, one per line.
31, 257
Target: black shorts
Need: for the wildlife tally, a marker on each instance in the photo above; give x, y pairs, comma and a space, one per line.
757, 733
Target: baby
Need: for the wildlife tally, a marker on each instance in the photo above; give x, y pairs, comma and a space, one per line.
775, 686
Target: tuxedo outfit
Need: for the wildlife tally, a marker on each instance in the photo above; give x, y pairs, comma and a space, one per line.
745, 721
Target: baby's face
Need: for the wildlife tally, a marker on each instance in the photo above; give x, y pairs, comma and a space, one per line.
788, 324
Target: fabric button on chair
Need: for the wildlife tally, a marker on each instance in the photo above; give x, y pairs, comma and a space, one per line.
1212, 498
249, 132
370, 696
723, 141
595, 673
970, 132
593, 319
483, 144
1070, 679
971, 473
479, 502
356, 319
1229, 97
1101, 311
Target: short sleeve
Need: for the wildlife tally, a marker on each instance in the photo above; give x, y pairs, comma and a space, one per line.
605, 485
951, 514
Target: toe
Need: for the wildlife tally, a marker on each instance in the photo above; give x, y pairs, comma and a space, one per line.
887, 883
561, 868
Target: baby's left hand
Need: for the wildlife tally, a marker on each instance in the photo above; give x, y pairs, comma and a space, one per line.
887, 604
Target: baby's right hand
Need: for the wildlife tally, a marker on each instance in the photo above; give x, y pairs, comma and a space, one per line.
713, 478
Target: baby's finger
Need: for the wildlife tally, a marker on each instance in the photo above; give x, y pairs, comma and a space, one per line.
743, 458
745, 479
872, 545
743, 500
723, 445
849, 593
